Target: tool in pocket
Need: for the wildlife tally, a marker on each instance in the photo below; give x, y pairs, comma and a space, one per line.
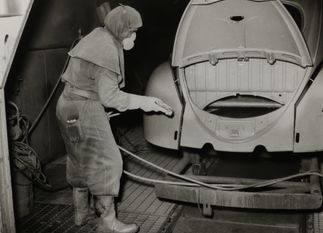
73, 124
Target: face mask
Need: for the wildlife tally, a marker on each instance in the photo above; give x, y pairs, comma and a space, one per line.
129, 42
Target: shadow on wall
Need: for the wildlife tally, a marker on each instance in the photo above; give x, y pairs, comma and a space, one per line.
154, 41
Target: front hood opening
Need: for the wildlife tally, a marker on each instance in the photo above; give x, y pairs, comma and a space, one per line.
242, 89
242, 106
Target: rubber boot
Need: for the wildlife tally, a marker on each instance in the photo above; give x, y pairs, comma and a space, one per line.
108, 222
81, 205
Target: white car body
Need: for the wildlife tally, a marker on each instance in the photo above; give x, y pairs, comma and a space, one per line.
244, 74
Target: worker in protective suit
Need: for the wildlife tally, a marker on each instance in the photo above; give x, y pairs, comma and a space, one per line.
93, 79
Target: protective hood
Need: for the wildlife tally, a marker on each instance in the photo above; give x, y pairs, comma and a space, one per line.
122, 20
99, 48
214, 30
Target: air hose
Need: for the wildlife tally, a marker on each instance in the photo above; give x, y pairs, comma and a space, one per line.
196, 183
40, 114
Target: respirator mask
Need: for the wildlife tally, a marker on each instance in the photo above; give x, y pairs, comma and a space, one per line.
129, 42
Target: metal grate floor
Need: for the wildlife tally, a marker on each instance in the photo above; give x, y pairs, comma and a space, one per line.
59, 218
53, 212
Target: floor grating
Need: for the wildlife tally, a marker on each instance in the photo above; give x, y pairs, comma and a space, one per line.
59, 218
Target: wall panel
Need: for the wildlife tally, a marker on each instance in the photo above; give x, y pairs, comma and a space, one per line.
50, 30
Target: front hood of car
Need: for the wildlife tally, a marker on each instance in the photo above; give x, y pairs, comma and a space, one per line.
213, 30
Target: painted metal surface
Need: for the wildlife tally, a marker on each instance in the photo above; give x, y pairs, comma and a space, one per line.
207, 83
309, 118
167, 127
237, 134
245, 134
239, 29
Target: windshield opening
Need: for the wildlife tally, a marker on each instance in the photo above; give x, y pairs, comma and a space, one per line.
296, 15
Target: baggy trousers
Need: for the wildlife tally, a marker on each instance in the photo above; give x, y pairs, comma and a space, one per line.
93, 161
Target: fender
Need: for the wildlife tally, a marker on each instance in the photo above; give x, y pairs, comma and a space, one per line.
159, 129
309, 118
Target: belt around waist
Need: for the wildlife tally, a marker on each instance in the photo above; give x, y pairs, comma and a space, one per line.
80, 92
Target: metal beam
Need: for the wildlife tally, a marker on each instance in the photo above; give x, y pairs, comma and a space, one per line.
208, 225
238, 199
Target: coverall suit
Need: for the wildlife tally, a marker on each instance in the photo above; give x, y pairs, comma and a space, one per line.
93, 79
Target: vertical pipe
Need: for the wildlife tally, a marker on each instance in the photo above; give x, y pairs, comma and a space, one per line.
315, 180
6, 203
183, 163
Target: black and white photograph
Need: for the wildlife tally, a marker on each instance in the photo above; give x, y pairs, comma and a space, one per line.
161, 116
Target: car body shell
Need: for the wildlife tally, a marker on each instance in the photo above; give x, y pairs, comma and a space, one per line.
244, 74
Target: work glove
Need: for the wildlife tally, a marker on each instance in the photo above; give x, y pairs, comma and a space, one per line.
149, 104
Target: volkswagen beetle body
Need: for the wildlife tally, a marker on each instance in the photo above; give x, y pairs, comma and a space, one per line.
243, 74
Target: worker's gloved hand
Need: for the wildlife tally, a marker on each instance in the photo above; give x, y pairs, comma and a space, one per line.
157, 105
150, 104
